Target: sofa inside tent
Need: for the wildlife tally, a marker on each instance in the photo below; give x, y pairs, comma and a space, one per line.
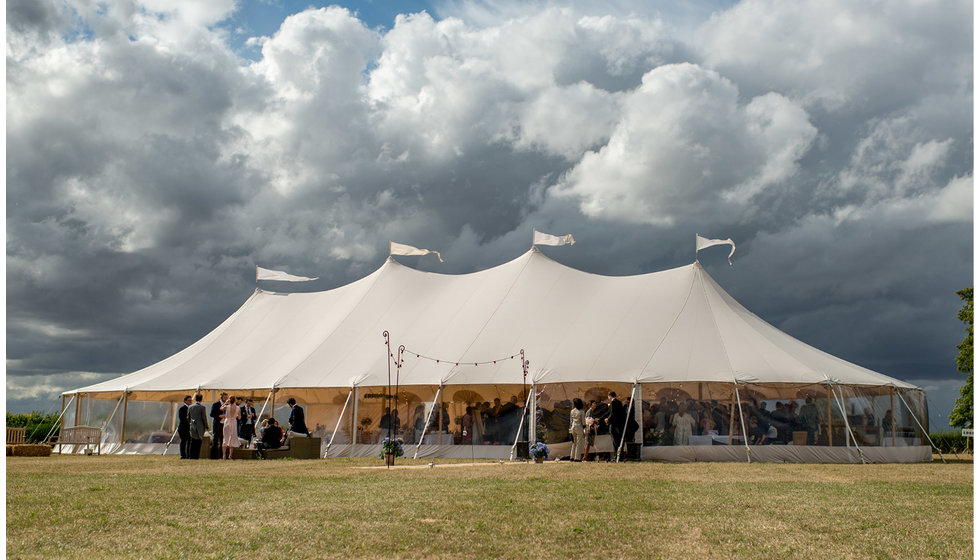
661, 341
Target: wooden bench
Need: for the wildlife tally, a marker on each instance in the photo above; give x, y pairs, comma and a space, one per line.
16, 435
296, 447
80, 435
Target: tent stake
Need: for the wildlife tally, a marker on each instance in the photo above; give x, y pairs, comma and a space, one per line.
426, 424
339, 420
741, 419
920, 426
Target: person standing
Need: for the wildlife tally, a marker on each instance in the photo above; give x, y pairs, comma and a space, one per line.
297, 418
230, 428
617, 422
576, 427
810, 418
184, 427
591, 427
197, 420
683, 425
217, 434
246, 424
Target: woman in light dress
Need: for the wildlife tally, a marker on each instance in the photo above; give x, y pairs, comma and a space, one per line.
591, 427
576, 427
683, 425
230, 427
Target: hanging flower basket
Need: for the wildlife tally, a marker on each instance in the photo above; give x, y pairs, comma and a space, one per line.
391, 448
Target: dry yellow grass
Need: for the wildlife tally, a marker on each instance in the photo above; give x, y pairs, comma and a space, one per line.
159, 507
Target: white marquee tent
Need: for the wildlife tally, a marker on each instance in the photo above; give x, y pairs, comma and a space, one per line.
671, 335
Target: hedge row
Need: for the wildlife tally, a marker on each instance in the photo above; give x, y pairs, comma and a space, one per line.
950, 442
36, 424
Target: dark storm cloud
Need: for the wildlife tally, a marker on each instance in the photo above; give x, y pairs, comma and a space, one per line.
150, 168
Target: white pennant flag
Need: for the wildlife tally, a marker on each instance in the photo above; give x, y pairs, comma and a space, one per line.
555, 240
408, 250
266, 274
704, 242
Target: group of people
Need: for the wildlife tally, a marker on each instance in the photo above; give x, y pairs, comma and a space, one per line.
480, 424
233, 425
586, 424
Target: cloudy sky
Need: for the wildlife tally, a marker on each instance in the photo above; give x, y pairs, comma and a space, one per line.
157, 150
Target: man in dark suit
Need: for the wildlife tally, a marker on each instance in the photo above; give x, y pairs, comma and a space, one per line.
197, 420
508, 421
246, 422
616, 421
217, 430
184, 428
271, 438
297, 419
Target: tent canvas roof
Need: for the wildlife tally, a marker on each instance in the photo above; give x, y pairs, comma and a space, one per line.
677, 325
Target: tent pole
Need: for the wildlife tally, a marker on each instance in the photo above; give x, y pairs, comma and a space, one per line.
425, 424
731, 423
741, 419
639, 413
892, 396
266, 403
920, 425
114, 410
339, 420
629, 409
78, 408
532, 419
122, 433
173, 417
519, 428
830, 421
166, 416
439, 427
64, 408
353, 437
847, 424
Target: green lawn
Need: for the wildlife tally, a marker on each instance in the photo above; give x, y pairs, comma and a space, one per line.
160, 507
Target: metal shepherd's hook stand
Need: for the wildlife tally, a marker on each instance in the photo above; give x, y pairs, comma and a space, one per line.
398, 367
527, 419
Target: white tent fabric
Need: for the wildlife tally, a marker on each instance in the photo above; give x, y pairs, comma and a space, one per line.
672, 326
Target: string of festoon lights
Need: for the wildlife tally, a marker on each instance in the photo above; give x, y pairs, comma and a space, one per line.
399, 361
454, 362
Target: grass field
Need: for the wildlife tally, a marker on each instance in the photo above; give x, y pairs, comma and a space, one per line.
160, 507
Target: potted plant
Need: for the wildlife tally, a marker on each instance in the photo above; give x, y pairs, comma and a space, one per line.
391, 448
539, 451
